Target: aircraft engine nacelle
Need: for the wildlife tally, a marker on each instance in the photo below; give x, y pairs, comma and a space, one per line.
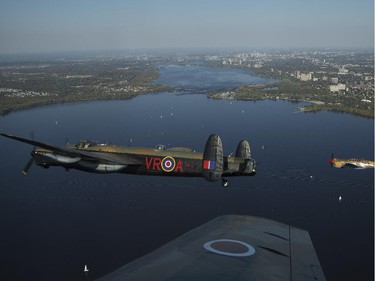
212, 164
53, 158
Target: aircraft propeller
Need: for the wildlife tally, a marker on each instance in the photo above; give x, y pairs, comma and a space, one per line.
331, 160
31, 161
28, 166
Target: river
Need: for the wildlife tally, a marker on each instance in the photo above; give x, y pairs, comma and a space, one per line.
53, 222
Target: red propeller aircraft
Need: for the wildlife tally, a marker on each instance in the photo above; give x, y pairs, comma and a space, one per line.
351, 163
96, 157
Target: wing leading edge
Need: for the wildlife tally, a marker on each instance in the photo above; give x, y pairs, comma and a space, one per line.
106, 156
230, 248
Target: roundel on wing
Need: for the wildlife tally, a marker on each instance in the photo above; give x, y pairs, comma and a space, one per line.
168, 164
229, 247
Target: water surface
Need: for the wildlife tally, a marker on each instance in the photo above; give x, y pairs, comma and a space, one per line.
54, 222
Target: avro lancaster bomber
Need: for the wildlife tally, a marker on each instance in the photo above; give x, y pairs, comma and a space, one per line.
96, 157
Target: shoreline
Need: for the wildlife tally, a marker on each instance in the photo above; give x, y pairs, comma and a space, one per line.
312, 107
116, 82
282, 91
62, 100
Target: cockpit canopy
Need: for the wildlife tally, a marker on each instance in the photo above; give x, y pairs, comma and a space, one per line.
160, 147
87, 144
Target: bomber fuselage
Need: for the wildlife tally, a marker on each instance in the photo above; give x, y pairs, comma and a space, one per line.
155, 161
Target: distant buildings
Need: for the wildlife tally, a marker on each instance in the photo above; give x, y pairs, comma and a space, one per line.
348, 78
337, 88
343, 71
303, 76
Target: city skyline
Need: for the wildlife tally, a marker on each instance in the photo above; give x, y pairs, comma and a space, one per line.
55, 26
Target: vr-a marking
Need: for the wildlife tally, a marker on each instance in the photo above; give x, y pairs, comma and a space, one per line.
167, 164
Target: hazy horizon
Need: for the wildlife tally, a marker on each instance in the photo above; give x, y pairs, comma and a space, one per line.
67, 26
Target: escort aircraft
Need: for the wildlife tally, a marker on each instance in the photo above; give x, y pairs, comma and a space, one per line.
97, 157
351, 163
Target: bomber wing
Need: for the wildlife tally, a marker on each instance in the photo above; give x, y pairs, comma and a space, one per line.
113, 157
230, 248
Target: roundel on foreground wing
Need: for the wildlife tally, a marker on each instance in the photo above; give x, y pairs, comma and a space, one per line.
230, 247
212, 163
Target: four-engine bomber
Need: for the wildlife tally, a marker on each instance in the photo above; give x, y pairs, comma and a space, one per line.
96, 157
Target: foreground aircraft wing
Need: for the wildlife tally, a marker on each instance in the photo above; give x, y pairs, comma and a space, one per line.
229, 248
107, 156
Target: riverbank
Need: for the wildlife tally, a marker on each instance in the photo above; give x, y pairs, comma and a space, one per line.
10, 104
29, 85
317, 99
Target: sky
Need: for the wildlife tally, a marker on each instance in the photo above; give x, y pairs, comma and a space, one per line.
37, 26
